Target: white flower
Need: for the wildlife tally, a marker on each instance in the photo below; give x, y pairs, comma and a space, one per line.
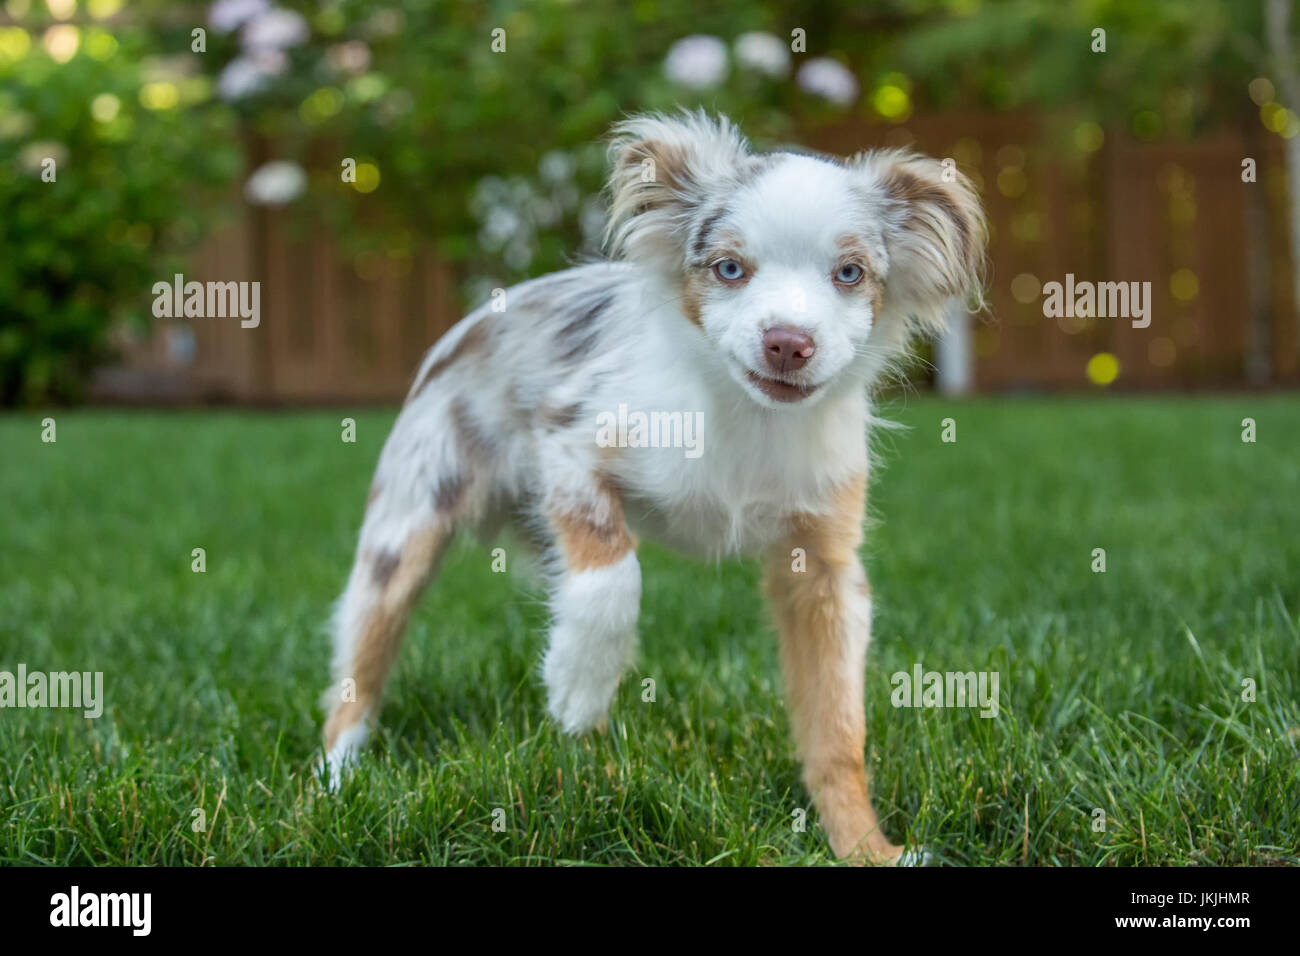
274, 30
697, 61
763, 52
566, 194
385, 23
168, 69
500, 226
352, 56
487, 192
829, 79
556, 167
32, 157
394, 105
241, 77
545, 211
271, 62
592, 219
14, 123
519, 254
227, 15
275, 183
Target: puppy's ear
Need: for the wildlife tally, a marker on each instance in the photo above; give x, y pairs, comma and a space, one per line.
934, 230
664, 171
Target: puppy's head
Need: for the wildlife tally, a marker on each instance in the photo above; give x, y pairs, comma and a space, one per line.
802, 272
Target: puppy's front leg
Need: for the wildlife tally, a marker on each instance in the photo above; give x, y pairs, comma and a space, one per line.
823, 610
594, 606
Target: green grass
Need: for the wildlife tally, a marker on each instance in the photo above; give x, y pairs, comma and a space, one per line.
1120, 691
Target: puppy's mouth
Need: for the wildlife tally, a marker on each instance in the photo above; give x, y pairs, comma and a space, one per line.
778, 390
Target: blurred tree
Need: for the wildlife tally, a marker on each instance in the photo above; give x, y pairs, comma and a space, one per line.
108, 151
1157, 70
432, 100
475, 125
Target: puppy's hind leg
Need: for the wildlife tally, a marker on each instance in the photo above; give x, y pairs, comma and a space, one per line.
392, 566
433, 475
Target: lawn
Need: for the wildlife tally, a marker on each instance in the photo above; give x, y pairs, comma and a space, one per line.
1121, 691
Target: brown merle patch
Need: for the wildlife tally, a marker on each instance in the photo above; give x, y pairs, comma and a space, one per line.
474, 339
579, 335
383, 566
473, 442
909, 188
558, 417
702, 238
854, 249
695, 287
448, 492
593, 537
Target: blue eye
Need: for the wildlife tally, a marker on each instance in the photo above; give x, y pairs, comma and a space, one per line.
729, 270
849, 274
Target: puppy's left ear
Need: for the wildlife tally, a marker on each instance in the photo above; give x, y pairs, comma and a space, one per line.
935, 233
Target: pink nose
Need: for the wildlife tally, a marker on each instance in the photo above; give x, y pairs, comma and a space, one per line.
787, 349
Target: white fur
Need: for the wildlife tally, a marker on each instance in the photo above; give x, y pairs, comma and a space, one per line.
345, 753
593, 639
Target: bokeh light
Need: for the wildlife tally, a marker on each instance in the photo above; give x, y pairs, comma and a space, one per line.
159, 95
1025, 288
1184, 285
1103, 369
103, 9
61, 42
1261, 90
367, 178
1162, 352
1089, 137
891, 99
100, 45
104, 107
1012, 182
14, 44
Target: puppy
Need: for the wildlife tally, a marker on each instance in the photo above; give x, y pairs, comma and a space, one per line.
760, 294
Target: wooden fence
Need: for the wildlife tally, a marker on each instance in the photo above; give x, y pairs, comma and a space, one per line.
1174, 215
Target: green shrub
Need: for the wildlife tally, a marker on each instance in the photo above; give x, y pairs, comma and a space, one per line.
137, 150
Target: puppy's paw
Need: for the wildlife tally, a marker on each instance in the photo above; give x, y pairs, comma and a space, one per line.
903, 856
888, 854
343, 756
579, 705
580, 711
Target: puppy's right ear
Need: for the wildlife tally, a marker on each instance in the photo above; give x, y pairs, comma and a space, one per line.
664, 170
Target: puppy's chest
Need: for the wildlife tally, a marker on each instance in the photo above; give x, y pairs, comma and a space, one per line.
714, 506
